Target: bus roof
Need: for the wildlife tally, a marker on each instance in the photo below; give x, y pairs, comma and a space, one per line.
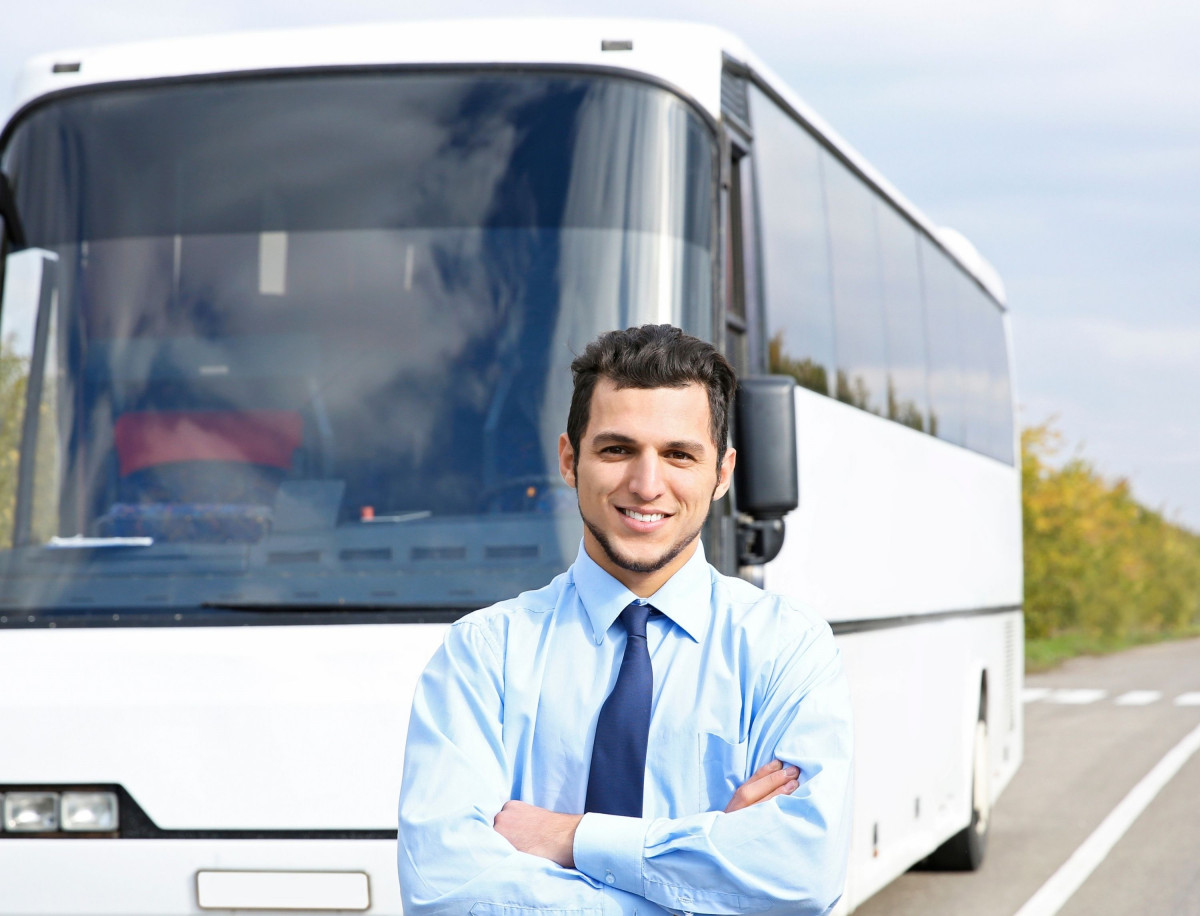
687, 56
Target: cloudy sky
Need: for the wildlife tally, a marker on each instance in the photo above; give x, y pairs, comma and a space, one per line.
1061, 136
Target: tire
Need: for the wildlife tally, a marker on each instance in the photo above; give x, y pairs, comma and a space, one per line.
965, 850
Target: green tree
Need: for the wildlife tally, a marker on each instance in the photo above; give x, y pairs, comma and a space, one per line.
1098, 564
14, 375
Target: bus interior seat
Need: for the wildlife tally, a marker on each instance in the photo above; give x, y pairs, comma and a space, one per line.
205, 475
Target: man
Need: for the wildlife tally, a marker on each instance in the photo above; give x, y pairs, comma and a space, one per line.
642, 735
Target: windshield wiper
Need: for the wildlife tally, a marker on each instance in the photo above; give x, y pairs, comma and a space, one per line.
79, 542
280, 606
409, 613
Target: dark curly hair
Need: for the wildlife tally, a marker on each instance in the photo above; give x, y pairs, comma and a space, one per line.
653, 356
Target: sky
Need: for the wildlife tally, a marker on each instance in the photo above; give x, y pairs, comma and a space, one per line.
1062, 137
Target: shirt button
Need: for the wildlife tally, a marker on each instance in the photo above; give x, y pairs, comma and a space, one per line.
610, 879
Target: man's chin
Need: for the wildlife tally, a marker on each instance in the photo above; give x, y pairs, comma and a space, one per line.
644, 561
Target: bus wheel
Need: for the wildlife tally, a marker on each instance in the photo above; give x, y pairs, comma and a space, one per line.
964, 851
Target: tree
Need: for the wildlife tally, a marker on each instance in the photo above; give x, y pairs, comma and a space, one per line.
1097, 562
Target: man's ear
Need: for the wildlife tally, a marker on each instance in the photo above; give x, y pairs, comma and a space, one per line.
566, 460
725, 473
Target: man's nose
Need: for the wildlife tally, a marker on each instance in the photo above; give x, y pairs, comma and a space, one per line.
646, 480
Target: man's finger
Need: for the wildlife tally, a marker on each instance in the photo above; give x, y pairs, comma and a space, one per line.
768, 781
771, 766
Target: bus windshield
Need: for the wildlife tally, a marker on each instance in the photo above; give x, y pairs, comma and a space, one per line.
303, 341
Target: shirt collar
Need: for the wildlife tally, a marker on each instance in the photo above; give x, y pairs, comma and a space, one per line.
686, 598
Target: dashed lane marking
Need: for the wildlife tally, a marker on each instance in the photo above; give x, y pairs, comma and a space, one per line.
1083, 696
1079, 696
1138, 698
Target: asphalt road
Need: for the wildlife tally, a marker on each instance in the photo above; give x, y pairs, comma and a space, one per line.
1094, 729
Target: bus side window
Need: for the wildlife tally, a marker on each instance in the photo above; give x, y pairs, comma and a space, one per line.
943, 323
857, 291
988, 404
797, 288
907, 391
1000, 392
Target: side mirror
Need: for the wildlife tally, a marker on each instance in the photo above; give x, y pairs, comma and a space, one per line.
766, 475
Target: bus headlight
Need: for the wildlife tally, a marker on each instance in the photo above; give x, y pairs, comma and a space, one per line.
89, 812
31, 812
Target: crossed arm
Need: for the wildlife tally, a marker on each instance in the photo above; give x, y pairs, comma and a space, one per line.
551, 835
779, 847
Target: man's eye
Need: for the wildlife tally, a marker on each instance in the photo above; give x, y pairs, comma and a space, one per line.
613, 450
681, 456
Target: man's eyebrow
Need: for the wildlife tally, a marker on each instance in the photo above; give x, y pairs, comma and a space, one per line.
684, 445
611, 437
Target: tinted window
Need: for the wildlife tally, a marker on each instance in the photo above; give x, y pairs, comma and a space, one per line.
976, 376
860, 304
795, 248
857, 291
985, 371
943, 323
1000, 388
907, 394
309, 338
345, 151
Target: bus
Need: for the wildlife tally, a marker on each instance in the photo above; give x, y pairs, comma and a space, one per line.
286, 325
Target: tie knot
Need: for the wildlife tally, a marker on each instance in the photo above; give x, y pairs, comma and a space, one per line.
634, 618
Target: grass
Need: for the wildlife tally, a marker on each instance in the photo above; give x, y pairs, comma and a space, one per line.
1044, 653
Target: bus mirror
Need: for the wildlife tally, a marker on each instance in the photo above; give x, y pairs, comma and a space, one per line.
766, 475
765, 437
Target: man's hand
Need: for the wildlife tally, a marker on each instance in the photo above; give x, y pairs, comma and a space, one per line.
551, 835
539, 832
768, 781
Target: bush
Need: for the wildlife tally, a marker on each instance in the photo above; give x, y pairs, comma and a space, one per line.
1098, 564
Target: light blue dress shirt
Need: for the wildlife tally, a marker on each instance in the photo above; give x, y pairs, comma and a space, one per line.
507, 709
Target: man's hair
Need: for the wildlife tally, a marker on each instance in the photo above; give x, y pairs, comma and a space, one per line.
652, 356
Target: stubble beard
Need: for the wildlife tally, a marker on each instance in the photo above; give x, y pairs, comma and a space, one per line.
628, 563
638, 566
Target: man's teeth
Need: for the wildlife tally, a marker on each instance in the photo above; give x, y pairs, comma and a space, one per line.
644, 516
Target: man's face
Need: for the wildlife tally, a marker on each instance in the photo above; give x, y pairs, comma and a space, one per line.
646, 476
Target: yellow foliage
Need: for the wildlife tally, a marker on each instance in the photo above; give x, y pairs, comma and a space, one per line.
1097, 562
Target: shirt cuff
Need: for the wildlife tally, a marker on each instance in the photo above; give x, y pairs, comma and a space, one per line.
609, 848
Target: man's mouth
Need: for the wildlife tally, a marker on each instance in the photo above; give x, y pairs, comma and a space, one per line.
644, 516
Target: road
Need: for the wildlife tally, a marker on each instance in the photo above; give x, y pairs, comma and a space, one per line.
1094, 729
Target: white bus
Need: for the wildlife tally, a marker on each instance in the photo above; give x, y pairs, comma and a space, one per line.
286, 322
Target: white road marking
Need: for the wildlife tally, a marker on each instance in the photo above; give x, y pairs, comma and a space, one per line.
1138, 698
1080, 696
1033, 694
1188, 699
1052, 895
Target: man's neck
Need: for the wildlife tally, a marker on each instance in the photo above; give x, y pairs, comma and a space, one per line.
642, 584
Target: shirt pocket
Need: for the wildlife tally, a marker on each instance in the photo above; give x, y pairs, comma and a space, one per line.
722, 770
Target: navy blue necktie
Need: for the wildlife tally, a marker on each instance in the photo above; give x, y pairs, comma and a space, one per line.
618, 770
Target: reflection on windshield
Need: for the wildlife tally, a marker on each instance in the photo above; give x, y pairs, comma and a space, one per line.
324, 361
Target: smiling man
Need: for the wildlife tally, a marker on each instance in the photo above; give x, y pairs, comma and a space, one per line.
643, 735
